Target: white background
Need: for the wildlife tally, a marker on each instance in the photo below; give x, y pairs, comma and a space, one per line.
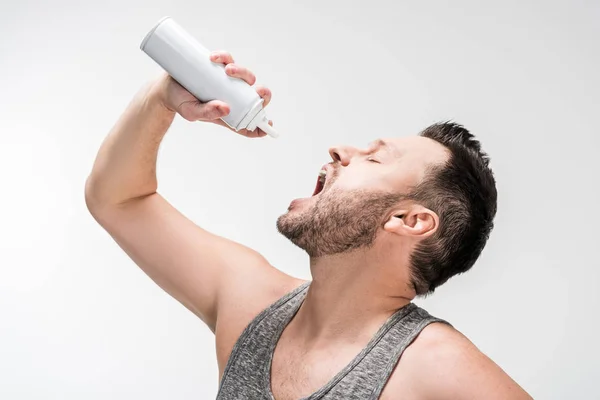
78, 320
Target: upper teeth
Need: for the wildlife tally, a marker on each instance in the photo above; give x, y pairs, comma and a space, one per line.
322, 175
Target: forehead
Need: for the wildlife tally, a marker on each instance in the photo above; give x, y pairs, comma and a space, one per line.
411, 155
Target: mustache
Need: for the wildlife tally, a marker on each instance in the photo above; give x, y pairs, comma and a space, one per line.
335, 168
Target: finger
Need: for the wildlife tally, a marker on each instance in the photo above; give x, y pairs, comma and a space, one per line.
237, 71
256, 133
221, 56
243, 132
194, 110
264, 93
212, 110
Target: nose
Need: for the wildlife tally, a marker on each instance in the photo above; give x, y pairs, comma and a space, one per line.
342, 154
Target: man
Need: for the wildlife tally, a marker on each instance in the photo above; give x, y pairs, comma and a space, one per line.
385, 224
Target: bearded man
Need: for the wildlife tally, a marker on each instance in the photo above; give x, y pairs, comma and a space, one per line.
386, 223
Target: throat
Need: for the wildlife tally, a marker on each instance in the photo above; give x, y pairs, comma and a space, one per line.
349, 297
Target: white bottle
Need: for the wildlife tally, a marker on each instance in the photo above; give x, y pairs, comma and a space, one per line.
187, 61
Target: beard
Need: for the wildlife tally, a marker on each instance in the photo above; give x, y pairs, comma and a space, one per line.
339, 221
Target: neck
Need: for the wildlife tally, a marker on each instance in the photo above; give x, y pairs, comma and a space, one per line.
351, 295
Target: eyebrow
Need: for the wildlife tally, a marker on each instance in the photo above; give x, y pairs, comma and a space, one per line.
380, 143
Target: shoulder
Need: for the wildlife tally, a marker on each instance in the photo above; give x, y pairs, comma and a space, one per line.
442, 363
241, 306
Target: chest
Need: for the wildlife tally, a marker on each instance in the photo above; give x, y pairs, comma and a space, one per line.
298, 372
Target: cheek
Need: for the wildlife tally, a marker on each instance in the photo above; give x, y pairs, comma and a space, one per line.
374, 177
353, 182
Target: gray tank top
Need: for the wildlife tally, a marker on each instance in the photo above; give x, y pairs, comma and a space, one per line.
247, 374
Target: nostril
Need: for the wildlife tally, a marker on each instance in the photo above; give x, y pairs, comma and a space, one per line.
335, 155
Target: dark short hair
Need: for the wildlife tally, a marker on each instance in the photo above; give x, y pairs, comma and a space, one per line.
462, 191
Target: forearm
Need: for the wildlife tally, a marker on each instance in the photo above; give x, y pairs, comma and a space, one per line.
125, 167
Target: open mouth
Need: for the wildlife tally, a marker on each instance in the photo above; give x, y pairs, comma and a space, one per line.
320, 182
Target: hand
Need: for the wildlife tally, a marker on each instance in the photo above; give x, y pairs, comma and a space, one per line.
177, 99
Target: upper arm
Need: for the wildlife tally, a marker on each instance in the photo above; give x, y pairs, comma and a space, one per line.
193, 265
444, 364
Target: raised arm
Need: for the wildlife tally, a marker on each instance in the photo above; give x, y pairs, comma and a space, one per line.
203, 271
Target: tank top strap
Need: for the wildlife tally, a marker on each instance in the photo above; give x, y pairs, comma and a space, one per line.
247, 372
400, 337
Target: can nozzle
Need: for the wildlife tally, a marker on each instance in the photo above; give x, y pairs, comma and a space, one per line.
268, 129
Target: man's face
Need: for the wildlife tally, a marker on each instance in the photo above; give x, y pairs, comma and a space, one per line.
360, 188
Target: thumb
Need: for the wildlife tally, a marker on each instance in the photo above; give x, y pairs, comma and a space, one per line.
195, 110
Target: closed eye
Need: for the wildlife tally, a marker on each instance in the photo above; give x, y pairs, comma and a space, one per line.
373, 160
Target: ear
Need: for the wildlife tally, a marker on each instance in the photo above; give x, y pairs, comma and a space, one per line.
416, 221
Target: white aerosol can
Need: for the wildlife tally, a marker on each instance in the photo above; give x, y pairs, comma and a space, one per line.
188, 62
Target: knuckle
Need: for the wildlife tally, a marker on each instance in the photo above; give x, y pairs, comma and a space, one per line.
214, 112
208, 114
232, 69
200, 112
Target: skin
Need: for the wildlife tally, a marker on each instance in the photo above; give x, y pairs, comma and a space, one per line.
227, 284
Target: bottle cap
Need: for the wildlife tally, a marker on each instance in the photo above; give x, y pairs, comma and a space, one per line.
259, 120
